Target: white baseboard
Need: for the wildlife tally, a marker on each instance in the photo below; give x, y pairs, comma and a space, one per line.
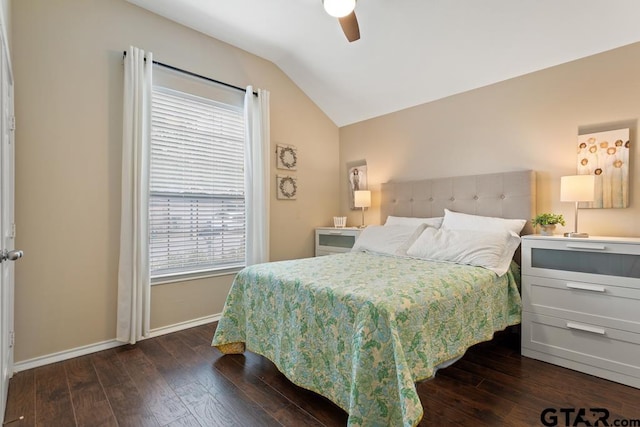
184, 325
106, 345
64, 355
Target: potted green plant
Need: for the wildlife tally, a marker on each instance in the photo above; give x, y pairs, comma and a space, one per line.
547, 222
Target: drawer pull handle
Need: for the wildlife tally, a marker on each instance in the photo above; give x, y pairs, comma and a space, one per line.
586, 246
585, 287
586, 328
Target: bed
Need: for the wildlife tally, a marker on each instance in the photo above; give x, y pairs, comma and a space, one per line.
361, 328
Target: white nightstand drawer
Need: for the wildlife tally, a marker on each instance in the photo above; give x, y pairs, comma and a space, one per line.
606, 305
583, 346
323, 252
331, 240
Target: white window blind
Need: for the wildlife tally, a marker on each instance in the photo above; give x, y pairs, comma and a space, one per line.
197, 206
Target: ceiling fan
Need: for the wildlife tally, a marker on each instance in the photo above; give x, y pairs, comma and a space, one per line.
344, 11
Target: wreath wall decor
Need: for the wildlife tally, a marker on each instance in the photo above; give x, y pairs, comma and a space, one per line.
286, 157
287, 187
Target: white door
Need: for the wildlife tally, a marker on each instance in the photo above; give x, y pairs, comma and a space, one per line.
7, 228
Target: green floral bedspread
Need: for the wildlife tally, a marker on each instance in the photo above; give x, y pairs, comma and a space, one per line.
361, 329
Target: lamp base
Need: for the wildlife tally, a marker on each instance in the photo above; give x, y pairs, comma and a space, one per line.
576, 234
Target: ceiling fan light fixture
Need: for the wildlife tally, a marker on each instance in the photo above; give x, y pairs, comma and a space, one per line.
339, 8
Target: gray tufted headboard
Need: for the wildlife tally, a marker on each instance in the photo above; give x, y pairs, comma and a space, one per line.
505, 195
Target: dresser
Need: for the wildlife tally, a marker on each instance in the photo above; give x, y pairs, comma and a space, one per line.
581, 304
330, 240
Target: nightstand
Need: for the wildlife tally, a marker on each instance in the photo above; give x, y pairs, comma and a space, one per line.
330, 240
581, 304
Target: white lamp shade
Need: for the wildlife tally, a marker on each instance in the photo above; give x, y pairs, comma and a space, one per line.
339, 8
577, 188
362, 198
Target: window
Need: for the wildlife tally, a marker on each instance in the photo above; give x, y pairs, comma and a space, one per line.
197, 205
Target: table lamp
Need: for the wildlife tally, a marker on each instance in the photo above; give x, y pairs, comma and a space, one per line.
577, 188
362, 199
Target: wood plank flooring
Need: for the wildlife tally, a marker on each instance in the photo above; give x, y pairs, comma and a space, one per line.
179, 380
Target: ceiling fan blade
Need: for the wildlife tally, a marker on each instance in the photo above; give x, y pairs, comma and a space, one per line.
350, 27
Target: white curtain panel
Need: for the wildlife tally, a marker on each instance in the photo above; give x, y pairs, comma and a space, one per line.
134, 290
256, 167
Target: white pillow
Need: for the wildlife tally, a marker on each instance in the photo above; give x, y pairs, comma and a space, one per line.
387, 239
460, 221
405, 220
492, 250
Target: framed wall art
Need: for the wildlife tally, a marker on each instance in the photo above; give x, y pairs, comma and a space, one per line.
606, 155
287, 187
286, 157
357, 181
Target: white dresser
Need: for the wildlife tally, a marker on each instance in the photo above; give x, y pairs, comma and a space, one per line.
330, 240
581, 304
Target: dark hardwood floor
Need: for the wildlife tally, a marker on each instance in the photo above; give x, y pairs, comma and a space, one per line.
179, 380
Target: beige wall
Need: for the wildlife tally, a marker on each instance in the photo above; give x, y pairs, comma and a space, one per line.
67, 60
530, 122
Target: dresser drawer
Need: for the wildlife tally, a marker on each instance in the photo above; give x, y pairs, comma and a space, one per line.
606, 352
587, 260
606, 305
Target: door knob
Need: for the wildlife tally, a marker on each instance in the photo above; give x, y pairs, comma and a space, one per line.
11, 255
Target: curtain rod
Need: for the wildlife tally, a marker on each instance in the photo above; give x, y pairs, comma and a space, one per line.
199, 76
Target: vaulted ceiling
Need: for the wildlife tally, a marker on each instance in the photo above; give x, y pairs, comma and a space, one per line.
410, 51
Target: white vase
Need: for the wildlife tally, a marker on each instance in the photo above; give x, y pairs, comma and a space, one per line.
547, 230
